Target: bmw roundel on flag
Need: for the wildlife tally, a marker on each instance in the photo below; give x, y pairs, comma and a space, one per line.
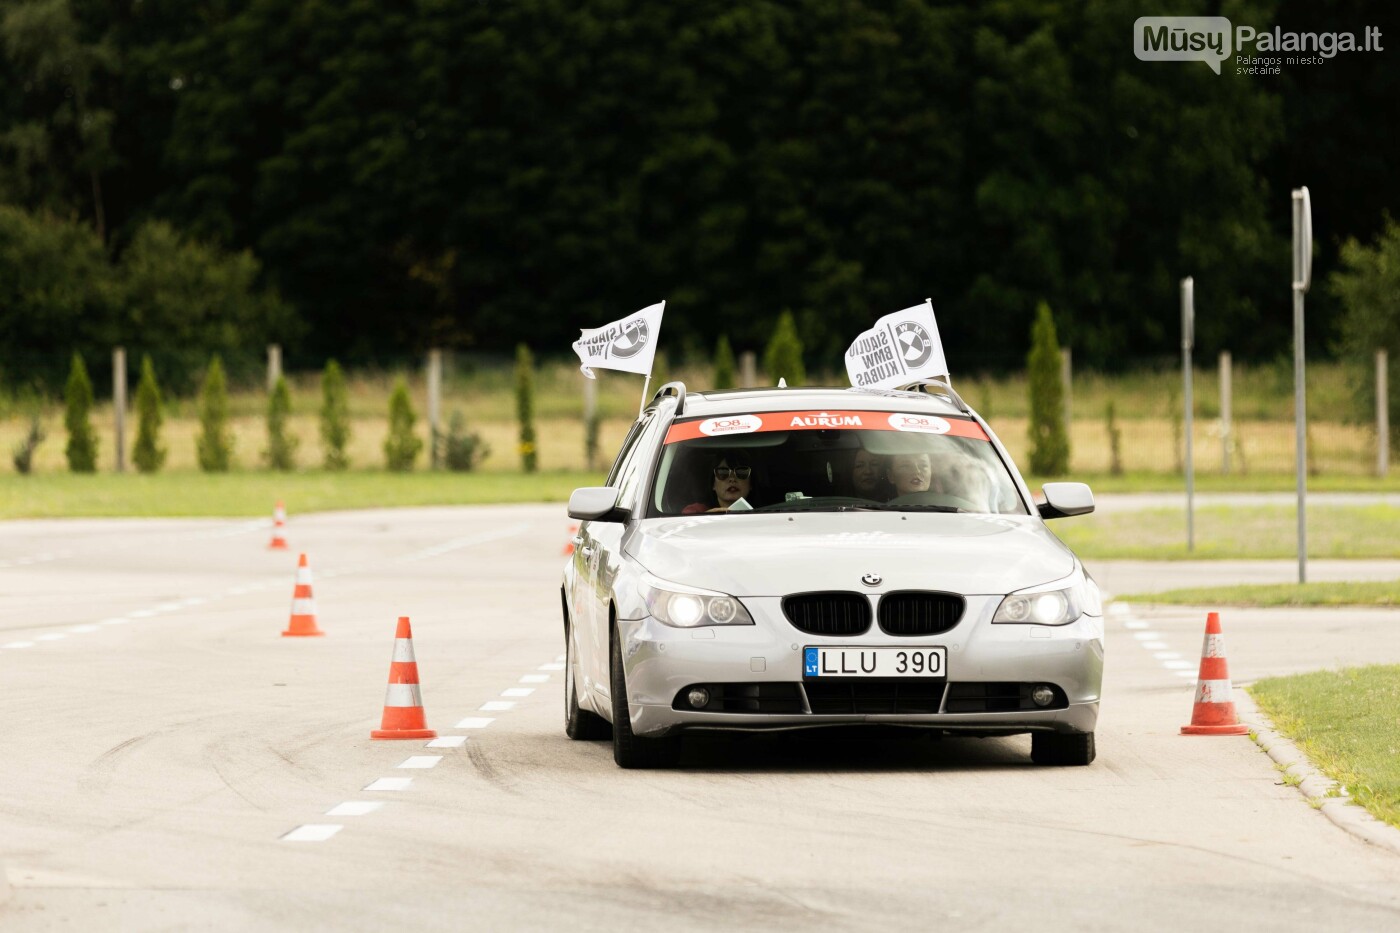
902, 347
628, 345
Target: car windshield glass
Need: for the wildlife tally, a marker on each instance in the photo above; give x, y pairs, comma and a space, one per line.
850, 461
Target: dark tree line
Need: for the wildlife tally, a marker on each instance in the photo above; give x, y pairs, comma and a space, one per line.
479, 174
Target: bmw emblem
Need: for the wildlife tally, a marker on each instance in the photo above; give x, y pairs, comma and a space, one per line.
915, 344
872, 579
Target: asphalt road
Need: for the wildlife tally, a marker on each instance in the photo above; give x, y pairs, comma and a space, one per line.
161, 740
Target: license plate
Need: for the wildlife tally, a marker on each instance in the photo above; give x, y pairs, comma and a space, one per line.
874, 662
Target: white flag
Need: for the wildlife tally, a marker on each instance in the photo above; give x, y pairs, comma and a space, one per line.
628, 344
902, 347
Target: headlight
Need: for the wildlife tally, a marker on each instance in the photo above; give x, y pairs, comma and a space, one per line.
687, 607
1052, 603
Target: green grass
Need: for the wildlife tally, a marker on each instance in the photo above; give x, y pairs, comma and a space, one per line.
1348, 723
1215, 482
1234, 533
64, 495
1385, 593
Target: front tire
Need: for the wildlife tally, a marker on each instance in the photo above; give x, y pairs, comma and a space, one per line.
1062, 748
630, 750
579, 724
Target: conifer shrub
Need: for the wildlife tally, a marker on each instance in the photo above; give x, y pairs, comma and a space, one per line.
77, 418
148, 455
214, 443
335, 417
525, 407
402, 446
281, 443
783, 357
1049, 439
724, 364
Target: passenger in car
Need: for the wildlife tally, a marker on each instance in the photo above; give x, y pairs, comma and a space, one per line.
955, 476
867, 476
909, 473
731, 480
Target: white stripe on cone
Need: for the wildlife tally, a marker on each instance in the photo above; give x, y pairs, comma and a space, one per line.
304, 575
1213, 691
403, 695
304, 607
1213, 647
403, 649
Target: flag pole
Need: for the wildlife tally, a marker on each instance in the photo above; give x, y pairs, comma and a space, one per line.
645, 385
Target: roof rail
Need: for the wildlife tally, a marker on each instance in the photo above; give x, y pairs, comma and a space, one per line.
675, 389
936, 387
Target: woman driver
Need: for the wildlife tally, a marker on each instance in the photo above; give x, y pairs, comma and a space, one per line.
730, 483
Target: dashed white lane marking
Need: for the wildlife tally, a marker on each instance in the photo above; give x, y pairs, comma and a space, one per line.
390, 784
447, 741
313, 832
189, 602
421, 761
496, 706
1153, 642
51, 636
20, 644
319, 832
559, 657
550, 667
467, 541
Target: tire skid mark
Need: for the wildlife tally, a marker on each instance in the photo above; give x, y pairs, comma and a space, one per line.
478, 756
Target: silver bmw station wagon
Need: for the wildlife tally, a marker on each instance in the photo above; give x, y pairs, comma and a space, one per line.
781, 558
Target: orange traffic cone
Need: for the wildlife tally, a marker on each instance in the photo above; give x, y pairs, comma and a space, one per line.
403, 702
279, 534
1214, 712
569, 542
303, 604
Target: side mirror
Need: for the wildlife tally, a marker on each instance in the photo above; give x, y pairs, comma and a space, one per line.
1065, 499
595, 504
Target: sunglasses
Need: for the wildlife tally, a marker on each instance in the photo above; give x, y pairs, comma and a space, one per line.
732, 472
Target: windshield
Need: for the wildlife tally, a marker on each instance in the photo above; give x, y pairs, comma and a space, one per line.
831, 461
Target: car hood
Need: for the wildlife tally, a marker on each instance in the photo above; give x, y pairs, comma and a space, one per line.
781, 553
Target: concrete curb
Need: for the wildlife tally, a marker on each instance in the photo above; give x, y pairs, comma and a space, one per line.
1326, 794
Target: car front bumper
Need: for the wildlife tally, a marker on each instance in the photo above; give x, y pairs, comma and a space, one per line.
661, 660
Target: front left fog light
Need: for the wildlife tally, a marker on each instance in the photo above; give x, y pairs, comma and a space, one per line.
699, 697
1042, 695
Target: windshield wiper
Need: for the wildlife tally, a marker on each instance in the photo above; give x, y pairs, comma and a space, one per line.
911, 507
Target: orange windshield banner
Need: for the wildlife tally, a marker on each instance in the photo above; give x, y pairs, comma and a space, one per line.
728, 425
